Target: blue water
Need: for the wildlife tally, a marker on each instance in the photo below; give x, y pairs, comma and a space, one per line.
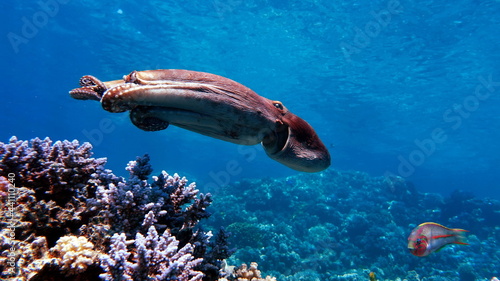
408, 88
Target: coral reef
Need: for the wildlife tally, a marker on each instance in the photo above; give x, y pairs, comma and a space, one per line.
67, 217
343, 225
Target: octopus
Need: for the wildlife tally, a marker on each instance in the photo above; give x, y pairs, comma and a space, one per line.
210, 105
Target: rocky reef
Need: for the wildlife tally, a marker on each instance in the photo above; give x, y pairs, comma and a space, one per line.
66, 217
343, 225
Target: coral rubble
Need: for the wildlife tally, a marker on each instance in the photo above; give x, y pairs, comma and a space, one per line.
67, 217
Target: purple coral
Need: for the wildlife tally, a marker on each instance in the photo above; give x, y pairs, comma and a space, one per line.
125, 205
66, 192
54, 179
155, 258
52, 170
116, 264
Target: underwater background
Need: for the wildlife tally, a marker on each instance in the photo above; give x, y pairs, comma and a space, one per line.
405, 90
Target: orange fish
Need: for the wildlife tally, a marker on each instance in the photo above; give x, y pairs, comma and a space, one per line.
430, 237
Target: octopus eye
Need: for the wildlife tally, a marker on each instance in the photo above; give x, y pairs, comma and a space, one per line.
278, 105
131, 78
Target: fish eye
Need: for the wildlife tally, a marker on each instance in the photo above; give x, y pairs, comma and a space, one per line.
278, 105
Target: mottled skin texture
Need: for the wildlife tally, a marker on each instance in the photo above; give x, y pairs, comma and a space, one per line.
211, 105
430, 237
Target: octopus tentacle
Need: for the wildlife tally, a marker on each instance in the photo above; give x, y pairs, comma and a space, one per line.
84, 93
91, 89
140, 118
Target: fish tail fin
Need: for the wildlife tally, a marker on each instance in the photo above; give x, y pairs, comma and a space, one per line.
459, 235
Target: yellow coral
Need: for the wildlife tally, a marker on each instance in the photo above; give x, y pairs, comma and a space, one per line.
243, 273
72, 254
75, 253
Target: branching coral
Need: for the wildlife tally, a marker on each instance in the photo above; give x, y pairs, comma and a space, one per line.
53, 170
165, 261
124, 205
52, 181
66, 207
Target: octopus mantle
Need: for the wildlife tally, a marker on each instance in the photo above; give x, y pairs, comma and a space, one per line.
211, 105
